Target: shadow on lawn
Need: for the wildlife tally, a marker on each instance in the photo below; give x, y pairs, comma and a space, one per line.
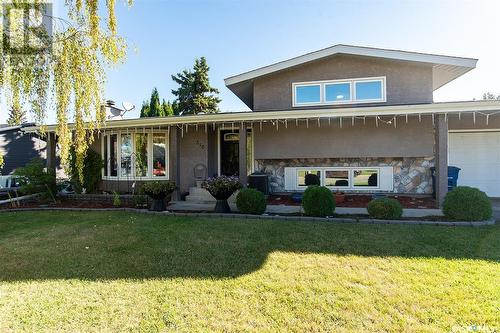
122, 245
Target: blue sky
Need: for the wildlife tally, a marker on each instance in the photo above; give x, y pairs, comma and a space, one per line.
235, 36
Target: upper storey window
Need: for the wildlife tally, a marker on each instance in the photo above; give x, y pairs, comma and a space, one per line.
363, 90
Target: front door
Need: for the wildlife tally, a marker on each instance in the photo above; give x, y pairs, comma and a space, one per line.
229, 152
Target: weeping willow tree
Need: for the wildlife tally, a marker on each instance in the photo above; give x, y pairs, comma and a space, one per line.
62, 66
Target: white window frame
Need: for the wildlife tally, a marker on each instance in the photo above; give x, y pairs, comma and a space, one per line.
149, 176
350, 171
308, 84
352, 85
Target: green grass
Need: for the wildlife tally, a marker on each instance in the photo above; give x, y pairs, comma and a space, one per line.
101, 271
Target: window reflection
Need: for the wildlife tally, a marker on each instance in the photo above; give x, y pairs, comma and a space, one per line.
159, 155
126, 155
365, 178
338, 178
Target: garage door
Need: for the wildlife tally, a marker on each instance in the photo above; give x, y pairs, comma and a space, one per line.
478, 155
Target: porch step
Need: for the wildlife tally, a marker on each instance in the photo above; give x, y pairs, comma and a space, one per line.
200, 195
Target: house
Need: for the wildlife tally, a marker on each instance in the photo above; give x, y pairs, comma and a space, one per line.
18, 147
362, 119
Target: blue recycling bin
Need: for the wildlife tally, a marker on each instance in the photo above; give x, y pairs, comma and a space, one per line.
452, 178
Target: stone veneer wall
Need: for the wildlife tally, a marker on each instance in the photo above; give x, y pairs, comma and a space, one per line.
411, 175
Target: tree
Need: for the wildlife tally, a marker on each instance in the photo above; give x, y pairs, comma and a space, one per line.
167, 108
490, 96
66, 66
155, 109
17, 116
195, 95
145, 109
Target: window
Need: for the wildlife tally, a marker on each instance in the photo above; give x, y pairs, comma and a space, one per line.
337, 178
301, 176
308, 94
337, 92
126, 155
159, 155
341, 178
113, 159
140, 155
105, 157
369, 90
365, 178
363, 90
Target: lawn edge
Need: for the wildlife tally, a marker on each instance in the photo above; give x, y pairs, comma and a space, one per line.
266, 217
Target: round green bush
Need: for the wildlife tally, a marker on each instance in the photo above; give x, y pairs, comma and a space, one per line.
466, 203
385, 208
251, 201
318, 201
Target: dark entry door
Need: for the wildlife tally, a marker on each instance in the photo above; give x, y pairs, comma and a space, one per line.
229, 153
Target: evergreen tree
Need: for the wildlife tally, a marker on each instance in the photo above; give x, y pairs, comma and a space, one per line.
16, 116
195, 95
167, 108
155, 109
145, 109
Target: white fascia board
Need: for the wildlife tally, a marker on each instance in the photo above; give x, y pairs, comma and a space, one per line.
354, 50
436, 108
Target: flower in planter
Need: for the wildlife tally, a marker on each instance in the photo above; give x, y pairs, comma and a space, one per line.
158, 191
222, 187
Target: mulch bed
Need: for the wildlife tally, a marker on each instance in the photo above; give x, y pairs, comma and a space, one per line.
360, 201
355, 201
62, 203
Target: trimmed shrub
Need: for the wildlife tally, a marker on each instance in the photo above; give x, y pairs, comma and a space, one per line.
35, 178
385, 208
311, 179
318, 201
466, 203
92, 171
251, 201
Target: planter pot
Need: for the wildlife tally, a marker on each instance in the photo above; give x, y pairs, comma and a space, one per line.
221, 206
339, 197
159, 202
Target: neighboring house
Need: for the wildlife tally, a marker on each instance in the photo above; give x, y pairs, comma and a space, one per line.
362, 119
18, 147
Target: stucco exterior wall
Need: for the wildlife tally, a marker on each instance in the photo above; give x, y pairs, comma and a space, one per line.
412, 139
193, 150
407, 83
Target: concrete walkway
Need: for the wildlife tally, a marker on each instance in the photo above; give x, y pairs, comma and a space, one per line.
283, 209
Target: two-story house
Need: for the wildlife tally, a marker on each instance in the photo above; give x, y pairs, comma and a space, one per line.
362, 119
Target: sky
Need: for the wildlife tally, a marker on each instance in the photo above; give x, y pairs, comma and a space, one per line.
165, 37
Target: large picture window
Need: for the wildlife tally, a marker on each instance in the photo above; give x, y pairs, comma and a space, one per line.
139, 155
126, 155
362, 90
340, 178
159, 155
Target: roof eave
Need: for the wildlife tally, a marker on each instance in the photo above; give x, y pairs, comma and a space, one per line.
436, 108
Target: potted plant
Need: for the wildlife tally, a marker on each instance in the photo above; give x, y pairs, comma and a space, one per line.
158, 191
221, 188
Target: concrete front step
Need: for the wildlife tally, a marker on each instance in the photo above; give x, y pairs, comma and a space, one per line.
200, 195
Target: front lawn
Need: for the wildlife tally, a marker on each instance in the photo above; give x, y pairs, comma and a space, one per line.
100, 271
